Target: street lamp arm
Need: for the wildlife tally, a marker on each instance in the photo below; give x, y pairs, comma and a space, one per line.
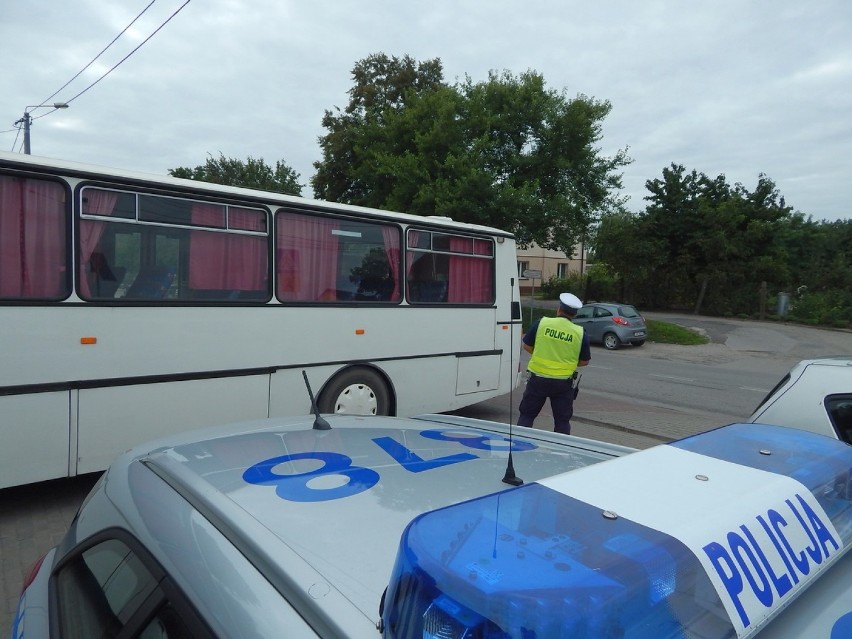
27, 120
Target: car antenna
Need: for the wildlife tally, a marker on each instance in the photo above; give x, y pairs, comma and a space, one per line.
319, 421
510, 477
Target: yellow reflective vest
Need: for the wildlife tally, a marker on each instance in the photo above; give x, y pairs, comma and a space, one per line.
557, 348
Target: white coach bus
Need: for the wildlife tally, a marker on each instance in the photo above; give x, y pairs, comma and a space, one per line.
134, 305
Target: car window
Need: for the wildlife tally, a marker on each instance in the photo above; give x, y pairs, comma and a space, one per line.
839, 408
628, 311
602, 312
100, 589
585, 312
114, 588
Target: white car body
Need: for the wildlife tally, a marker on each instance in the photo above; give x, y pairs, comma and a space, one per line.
816, 395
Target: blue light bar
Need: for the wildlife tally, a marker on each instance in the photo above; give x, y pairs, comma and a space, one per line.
537, 563
820, 463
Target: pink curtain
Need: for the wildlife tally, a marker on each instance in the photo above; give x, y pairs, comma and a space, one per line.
32, 239
307, 258
410, 255
226, 261
95, 202
471, 278
390, 235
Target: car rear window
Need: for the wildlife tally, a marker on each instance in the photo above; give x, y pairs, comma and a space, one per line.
628, 311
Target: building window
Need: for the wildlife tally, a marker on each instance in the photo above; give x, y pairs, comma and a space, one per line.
522, 266
562, 270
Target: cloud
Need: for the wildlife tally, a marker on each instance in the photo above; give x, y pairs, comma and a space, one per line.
723, 88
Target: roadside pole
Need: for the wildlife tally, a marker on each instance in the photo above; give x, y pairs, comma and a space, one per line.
532, 275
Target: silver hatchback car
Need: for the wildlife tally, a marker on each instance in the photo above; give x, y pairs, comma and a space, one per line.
612, 324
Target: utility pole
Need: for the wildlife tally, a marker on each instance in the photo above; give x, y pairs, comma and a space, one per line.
27, 121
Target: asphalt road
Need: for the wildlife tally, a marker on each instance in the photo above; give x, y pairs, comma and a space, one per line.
636, 397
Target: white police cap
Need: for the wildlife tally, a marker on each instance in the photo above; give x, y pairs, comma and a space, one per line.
570, 300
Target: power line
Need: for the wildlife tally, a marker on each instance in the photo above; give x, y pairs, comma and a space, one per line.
92, 61
114, 67
16, 137
179, 9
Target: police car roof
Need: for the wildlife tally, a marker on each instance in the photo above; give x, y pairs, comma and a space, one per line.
337, 501
730, 526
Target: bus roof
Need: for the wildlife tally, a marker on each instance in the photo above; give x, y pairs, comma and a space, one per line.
89, 171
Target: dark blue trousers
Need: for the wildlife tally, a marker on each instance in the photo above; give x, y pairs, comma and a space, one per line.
561, 395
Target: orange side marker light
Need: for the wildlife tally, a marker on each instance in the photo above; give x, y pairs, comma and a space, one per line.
88, 340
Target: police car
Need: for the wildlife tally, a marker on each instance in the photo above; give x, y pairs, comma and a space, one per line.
442, 527
816, 395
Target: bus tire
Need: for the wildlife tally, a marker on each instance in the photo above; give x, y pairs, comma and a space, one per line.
356, 391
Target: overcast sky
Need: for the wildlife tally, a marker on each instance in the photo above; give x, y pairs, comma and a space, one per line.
724, 87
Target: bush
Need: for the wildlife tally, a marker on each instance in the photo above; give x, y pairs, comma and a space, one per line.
827, 308
598, 285
551, 289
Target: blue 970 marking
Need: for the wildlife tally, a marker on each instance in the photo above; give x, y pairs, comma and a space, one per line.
479, 442
295, 487
412, 462
298, 487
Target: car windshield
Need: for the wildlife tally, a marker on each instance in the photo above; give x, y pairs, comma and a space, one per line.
628, 311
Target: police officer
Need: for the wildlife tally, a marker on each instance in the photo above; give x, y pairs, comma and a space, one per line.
558, 347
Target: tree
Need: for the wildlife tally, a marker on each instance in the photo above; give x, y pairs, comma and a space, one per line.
621, 243
252, 174
707, 244
507, 152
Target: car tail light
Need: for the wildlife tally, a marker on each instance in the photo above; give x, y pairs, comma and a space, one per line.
32, 572
621, 320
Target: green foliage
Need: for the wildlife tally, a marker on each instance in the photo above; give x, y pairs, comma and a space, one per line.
666, 333
704, 245
602, 285
507, 152
825, 308
252, 174
552, 288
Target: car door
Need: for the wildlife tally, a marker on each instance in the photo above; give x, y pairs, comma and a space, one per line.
585, 318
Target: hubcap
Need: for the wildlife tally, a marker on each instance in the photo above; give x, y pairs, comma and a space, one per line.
356, 399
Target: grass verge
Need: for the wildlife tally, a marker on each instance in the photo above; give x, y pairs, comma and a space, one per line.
667, 333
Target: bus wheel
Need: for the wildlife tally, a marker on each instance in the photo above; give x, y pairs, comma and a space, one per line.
357, 391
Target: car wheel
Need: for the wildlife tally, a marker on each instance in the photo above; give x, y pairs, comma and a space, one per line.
639, 343
611, 341
356, 391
